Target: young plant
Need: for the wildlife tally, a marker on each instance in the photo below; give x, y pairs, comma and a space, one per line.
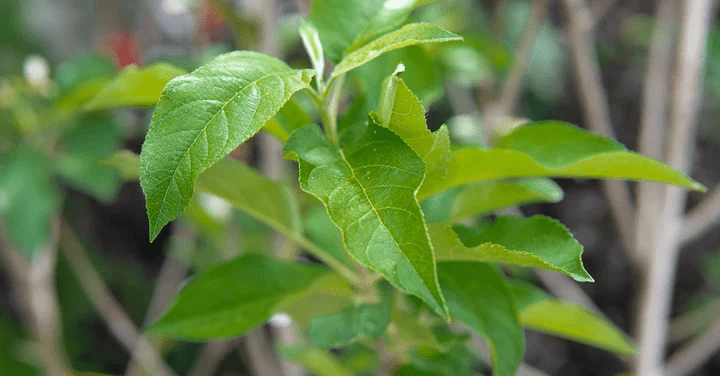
382, 178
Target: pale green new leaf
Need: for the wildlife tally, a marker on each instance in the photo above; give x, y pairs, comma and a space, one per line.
345, 23
487, 196
369, 191
229, 299
537, 242
203, 116
553, 149
539, 311
126, 162
319, 362
311, 41
403, 113
134, 87
408, 35
477, 295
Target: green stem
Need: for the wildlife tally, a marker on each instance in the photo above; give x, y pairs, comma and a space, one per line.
326, 258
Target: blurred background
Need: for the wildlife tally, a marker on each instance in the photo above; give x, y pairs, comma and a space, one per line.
53, 52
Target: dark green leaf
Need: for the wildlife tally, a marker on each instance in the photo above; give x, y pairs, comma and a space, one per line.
28, 199
477, 295
204, 115
362, 321
134, 87
345, 23
94, 139
229, 299
538, 311
553, 149
369, 190
537, 242
408, 35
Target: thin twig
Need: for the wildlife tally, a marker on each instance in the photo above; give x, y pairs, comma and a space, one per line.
564, 288
658, 286
171, 275
117, 320
702, 217
695, 353
652, 127
596, 110
34, 290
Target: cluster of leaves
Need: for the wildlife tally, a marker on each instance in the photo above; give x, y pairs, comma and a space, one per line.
400, 218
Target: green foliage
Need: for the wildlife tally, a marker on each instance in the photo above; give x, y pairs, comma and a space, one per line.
202, 117
229, 299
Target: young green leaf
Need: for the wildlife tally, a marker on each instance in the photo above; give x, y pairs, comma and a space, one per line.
537, 242
403, 113
229, 299
369, 191
126, 162
487, 196
477, 295
204, 115
28, 198
134, 87
538, 311
311, 41
553, 149
345, 23
408, 35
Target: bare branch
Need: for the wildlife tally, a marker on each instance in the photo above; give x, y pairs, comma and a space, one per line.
34, 290
703, 216
658, 286
596, 109
697, 352
119, 323
212, 354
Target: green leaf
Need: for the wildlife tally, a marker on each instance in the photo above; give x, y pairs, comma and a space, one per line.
28, 199
323, 232
268, 201
134, 87
369, 191
487, 196
330, 294
313, 46
345, 23
87, 144
290, 117
542, 313
319, 362
402, 112
408, 35
362, 321
537, 242
126, 162
553, 149
477, 295
204, 115
230, 299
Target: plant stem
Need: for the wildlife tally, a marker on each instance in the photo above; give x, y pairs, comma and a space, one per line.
329, 107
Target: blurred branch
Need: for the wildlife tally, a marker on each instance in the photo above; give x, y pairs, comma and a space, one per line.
600, 8
695, 353
703, 216
652, 127
35, 292
658, 286
119, 323
596, 109
564, 288
211, 356
172, 273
